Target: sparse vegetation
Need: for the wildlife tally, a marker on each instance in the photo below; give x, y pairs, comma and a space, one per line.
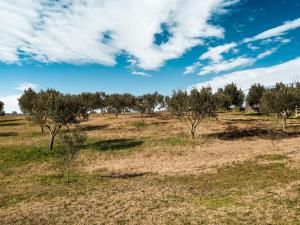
152, 171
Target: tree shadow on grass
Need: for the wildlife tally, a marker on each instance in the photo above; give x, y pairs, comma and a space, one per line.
124, 175
8, 134
9, 120
10, 124
236, 134
114, 144
95, 127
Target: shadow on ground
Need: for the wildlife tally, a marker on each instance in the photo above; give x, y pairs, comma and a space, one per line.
95, 127
4, 124
8, 134
114, 144
251, 132
124, 175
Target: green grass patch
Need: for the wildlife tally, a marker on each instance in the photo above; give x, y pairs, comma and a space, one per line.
218, 202
272, 157
176, 141
138, 124
18, 156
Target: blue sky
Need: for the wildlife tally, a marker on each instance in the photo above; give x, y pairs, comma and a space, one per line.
142, 46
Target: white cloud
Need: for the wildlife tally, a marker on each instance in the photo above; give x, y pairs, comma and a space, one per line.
10, 103
226, 65
266, 53
91, 31
25, 85
140, 73
285, 72
192, 68
275, 32
252, 47
215, 53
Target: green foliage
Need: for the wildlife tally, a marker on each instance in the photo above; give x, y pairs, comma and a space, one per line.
255, 94
118, 103
236, 95
224, 99
281, 100
195, 107
71, 141
52, 110
178, 103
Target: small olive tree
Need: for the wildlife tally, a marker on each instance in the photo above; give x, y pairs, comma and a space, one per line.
140, 106
280, 101
195, 106
53, 110
71, 141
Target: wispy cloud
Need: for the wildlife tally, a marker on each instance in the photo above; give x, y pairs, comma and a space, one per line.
226, 65
88, 31
140, 73
275, 32
215, 53
266, 53
217, 64
267, 76
192, 68
26, 85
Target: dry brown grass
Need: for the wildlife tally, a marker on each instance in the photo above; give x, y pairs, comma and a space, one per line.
155, 173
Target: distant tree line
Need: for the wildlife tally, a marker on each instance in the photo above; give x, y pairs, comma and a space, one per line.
54, 111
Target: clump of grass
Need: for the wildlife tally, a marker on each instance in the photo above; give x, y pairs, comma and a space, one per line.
272, 157
218, 202
176, 141
138, 124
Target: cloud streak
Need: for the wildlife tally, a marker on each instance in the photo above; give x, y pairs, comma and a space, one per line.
266, 76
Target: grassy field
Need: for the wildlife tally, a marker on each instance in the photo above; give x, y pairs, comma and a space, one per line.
131, 172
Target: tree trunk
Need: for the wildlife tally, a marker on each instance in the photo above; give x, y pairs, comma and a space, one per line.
68, 175
42, 129
284, 122
51, 141
193, 134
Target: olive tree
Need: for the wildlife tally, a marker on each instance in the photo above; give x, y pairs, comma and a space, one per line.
195, 106
71, 141
53, 110
153, 100
119, 103
178, 103
224, 100
280, 101
236, 95
255, 94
